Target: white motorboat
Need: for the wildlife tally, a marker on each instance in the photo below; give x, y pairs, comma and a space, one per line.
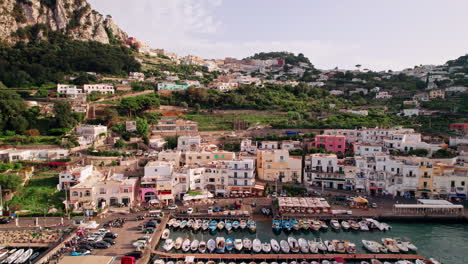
345, 225
200, 262
402, 246
24, 257
313, 246
303, 245
326, 262
363, 226
3, 253
158, 261
321, 245
330, 246
202, 247
13, 256
197, 225
390, 244
266, 247
376, 261
285, 246
275, 245
257, 245
194, 245
238, 244
178, 243
176, 224
171, 222
293, 244
165, 234
411, 246
211, 245
339, 246
34, 256
220, 244
247, 243
418, 261
335, 224
372, 246
168, 244
243, 224
186, 245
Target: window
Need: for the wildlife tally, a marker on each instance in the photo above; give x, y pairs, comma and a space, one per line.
126, 190
462, 183
452, 184
245, 175
87, 193
155, 170
235, 174
246, 166
102, 191
75, 193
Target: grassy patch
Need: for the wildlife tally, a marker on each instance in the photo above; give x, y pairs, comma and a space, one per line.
209, 122
26, 140
40, 192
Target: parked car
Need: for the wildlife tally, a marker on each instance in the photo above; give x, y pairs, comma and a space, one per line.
4, 220
135, 254
190, 211
109, 240
374, 205
101, 244
85, 247
110, 235
172, 207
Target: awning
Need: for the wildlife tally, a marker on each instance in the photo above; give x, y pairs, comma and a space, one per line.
373, 188
260, 187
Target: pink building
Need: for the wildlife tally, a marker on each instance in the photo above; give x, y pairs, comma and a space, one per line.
334, 143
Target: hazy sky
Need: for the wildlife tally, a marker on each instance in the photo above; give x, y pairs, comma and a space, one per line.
377, 34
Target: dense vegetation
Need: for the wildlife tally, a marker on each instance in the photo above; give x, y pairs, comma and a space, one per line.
288, 57
38, 62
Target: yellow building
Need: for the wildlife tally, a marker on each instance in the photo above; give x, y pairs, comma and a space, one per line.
425, 183
277, 165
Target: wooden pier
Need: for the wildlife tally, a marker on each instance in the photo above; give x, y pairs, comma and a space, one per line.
347, 257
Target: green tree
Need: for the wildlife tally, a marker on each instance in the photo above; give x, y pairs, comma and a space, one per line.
142, 127
119, 144
64, 117
10, 182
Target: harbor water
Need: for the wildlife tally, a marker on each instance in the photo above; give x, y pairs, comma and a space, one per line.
445, 242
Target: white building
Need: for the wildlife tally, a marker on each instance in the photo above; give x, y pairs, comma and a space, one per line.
324, 170
247, 145
383, 95
361, 149
69, 90
186, 143
411, 112
100, 88
12, 155
88, 134
74, 176
407, 142
241, 174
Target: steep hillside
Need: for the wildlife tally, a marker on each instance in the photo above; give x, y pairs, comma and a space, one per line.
31, 19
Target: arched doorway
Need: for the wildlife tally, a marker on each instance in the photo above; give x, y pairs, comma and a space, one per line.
102, 203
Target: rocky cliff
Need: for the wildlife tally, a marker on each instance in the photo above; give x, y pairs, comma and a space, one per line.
26, 19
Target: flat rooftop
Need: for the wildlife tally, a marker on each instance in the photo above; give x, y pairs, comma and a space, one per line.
87, 260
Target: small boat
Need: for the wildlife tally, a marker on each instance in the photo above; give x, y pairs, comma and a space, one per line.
168, 244
178, 243
354, 225
303, 245
401, 245
200, 262
220, 225
339, 246
306, 225
323, 225
158, 261
242, 224
220, 244
284, 246
183, 224
345, 225
186, 245
211, 245
376, 261
385, 226
210, 262
313, 246
287, 225
295, 225
372, 246
205, 225
171, 222
252, 225
24, 257
165, 234
229, 244
11, 258
390, 244
170, 262
202, 247
228, 225
247, 243
238, 244
293, 244
34, 256
275, 245
176, 224
276, 225
257, 245
235, 224
434, 261
411, 246
326, 262
363, 226
321, 245
197, 225
3, 253
335, 224
350, 247
213, 225
194, 245
330, 246
266, 247
364, 262
190, 223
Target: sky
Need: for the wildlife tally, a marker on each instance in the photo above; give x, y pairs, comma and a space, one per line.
379, 35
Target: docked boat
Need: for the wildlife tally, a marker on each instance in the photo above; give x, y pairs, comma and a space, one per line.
330, 246
210, 262
220, 244
345, 225
306, 225
372, 246
323, 225
257, 245
295, 225
197, 225
190, 223
202, 247
410, 245
183, 224
178, 243
354, 225
316, 225
275, 245
171, 222
286, 225
434, 261
168, 244
186, 245
321, 245
266, 247
363, 226
276, 225
205, 225
220, 225
213, 225
376, 261
390, 244
313, 246
176, 224
335, 224
284, 246
3, 253
402, 246
11, 258
350, 247
252, 225
242, 224
170, 262
247, 243
194, 245
228, 225
34, 256
24, 257
238, 244
235, 224
158, 261
326, 261
293, 244
211, 245
165, 234
229, 244
339, 246
303, 245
